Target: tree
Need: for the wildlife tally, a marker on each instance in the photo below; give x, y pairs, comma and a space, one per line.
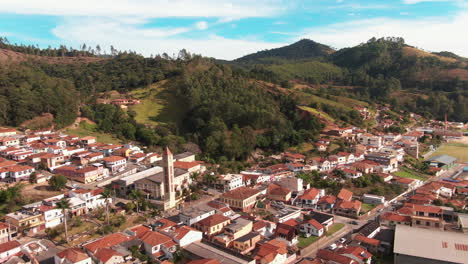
106, 194
58, 182
64, 205
136, 196
33, 178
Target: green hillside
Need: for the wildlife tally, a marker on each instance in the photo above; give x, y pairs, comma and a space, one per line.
303, 49
158, 105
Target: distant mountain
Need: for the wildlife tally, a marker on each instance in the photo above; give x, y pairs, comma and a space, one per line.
303, 49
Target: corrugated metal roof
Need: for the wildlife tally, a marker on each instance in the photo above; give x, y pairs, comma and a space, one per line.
445, 159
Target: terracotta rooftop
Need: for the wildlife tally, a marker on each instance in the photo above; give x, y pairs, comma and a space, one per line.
241, 193
213, 220
104, 254
345, 195
155, 238
7, 246
107, 241
73, 255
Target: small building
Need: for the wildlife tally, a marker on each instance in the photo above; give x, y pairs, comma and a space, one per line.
312, 228
213, 224
373, 199
421, 245
441, 161
243, 198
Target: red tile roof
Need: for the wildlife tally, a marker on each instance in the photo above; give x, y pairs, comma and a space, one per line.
270, 250
390, 216
315, 224
336, 258
155, 238
349, 205
107, 241
18, 168
104, 254
345, 195
213, 220
113, 158
275, 189
292, 222
329, 199
367, 240
7, 246
186, 165
73, 255
241, 193
140, 230
309, 194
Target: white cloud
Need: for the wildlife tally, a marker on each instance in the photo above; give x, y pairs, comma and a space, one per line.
201, 25
145, 8
434, 34
126, 36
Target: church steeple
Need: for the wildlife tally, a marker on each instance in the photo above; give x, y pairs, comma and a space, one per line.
168, 166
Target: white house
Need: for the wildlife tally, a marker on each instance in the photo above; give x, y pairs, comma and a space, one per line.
92, 198
184, 235
312, 228
9, 249
230, 181
157, 244
52, 216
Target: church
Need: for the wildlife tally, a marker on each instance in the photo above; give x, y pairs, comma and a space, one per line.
165, 188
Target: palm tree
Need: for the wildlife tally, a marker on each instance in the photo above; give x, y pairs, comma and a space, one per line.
106, 194
64, 204
136, 195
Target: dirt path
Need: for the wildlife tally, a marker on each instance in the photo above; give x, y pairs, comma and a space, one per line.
77, 122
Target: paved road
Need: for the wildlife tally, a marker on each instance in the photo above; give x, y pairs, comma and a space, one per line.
326, 241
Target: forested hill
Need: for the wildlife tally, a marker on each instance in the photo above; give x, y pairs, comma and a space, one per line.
228, 109
303, 49
385, 70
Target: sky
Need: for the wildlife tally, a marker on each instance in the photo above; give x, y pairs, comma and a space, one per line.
228, 29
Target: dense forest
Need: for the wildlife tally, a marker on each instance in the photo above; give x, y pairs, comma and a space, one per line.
229, 111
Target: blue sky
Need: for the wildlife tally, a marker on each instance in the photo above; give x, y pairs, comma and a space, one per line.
230, 29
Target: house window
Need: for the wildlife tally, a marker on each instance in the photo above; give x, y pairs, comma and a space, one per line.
418, 222
428, 224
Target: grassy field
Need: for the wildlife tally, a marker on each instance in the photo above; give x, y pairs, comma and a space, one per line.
317, 113
86, 129
457, 150
367, 207
305, 241
334, 228
407, 173
158, 105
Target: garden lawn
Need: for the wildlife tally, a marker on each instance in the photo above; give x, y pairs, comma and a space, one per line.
305, 241
365, 207
407, 173
334, 228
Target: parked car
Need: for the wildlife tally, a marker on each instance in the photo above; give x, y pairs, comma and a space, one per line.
354, 222
332, 246
342, 240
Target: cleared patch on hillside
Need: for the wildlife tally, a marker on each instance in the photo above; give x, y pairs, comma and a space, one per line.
86, 129
411, 51
158, 104
317, 113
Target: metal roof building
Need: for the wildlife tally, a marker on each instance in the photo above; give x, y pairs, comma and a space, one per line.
420, 245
